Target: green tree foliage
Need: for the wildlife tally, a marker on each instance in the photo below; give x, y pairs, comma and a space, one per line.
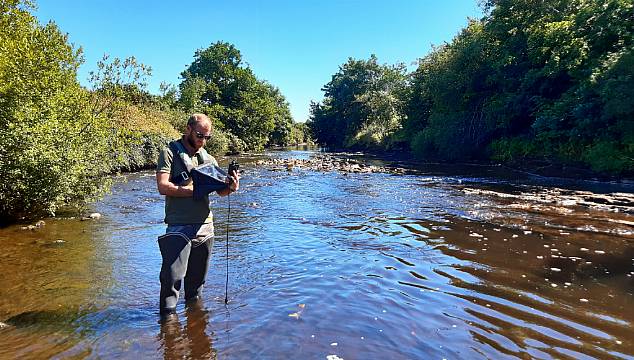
59, 140
51, 140
140, 123
220, 85
283, 120
447, 113
549, 79
300, 134
362, 106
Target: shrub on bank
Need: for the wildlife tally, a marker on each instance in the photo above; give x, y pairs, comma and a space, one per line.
52, 144
59, 141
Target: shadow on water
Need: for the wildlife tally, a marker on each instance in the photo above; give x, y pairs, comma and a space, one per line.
57, 320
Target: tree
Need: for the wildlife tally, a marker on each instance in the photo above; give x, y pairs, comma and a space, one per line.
281, 134
547, 80
60, 141
52, 143
362, 106
220, 85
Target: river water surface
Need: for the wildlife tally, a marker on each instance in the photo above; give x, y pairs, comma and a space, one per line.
462, 263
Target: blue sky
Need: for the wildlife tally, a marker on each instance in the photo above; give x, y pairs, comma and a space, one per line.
295, 45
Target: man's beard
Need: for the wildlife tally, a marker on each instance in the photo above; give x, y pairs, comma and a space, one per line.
191, 142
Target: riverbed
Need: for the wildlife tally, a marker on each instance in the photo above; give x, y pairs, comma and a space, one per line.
431, 262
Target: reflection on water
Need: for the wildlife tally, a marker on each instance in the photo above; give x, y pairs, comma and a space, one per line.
467, 265
190, 341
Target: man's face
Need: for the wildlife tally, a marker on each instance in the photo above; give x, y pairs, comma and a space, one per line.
198, 134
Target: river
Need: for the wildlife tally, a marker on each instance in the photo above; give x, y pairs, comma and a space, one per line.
437, 263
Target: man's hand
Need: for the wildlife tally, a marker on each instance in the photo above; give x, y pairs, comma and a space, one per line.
234, 181
234, 184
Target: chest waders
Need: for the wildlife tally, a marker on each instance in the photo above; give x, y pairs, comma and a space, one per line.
185, 248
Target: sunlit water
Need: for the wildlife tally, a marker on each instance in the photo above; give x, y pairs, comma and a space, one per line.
361, 266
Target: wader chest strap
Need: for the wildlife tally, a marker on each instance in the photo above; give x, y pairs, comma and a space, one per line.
178, 151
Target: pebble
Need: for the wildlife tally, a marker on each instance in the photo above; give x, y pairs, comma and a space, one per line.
600, 252
334, 344
329, 163
584, 249
95, 216
555, 269
3, 325
515, 235
553, 285
583, 300
333, 357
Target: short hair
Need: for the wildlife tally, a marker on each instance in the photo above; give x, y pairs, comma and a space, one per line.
196, 119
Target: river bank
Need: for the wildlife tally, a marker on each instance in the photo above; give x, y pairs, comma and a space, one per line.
547, 168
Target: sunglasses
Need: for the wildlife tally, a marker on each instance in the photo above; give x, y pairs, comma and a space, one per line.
202, 136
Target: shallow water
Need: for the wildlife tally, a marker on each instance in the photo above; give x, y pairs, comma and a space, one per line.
475, 263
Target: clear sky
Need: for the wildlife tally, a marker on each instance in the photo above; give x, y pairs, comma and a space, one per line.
296, 45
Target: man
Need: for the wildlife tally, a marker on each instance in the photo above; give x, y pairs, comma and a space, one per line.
187, 243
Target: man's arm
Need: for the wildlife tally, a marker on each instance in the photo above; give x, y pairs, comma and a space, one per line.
165, 187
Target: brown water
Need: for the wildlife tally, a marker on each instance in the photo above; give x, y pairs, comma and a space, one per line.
442, 263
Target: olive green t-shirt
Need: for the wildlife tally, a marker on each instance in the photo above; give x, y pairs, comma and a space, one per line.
184, 210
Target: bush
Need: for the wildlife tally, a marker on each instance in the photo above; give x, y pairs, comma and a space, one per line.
512, 149
219, 143
607, 156
236, 145
421, 145
53, 144
60, 140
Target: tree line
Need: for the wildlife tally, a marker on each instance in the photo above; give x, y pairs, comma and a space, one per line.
549, 81
60, 140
